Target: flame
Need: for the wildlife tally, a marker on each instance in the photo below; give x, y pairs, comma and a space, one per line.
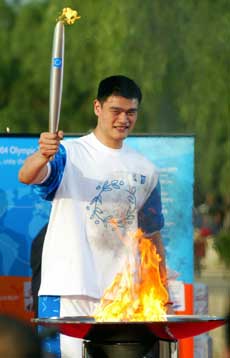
68, 16
138, 293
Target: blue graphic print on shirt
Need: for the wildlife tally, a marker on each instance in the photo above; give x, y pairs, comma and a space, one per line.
150, 217
96, 205
49, 306
48, 189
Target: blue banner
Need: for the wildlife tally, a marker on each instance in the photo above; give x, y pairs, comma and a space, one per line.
23, 214
174, 157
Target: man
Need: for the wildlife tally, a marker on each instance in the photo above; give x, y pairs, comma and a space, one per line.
93, 181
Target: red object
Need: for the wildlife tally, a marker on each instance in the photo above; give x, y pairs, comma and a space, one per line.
205, 231
175, 328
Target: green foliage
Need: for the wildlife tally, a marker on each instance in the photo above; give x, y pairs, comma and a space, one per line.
222, 246
178, 51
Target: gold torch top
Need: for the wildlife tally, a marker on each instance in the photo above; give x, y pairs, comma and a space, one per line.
68, 16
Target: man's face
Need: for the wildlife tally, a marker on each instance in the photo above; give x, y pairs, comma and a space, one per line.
116, 119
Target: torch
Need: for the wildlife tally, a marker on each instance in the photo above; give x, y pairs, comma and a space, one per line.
68, 16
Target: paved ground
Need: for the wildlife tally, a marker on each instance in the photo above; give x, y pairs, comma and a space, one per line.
217, 277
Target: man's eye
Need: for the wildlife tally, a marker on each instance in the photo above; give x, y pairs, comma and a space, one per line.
115, 112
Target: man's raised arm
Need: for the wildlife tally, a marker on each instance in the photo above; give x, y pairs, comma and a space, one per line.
34, 169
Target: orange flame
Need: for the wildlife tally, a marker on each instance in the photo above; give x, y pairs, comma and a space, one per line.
136, 294
68, 16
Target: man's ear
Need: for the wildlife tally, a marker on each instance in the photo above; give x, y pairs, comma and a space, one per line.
97, 107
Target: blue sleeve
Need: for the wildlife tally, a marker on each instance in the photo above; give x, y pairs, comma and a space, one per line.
48, 189
150, 217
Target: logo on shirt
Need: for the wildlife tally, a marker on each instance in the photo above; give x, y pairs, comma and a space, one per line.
143, 179
138, 178
114, 202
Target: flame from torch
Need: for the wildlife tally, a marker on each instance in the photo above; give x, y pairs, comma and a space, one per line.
68, 16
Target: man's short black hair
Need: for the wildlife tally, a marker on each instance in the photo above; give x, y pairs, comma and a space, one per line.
118, 86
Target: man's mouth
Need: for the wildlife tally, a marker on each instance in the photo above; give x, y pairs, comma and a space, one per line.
121, 128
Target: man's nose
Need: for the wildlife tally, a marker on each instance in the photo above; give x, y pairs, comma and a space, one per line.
123, 116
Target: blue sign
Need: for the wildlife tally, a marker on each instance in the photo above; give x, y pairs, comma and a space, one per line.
174, 157
23, 214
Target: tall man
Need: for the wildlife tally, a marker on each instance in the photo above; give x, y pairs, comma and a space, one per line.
92, 180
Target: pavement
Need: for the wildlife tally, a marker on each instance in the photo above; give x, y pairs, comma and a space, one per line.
216, 276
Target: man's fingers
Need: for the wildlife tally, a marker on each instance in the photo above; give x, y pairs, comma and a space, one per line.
60, 135
49, 143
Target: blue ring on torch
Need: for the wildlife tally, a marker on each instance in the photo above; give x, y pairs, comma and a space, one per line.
57, 62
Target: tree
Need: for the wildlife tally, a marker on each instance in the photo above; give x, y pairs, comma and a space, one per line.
177, 51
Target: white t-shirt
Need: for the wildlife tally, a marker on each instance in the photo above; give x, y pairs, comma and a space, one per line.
93, 186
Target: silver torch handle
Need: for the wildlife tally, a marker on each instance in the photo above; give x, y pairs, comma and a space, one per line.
56, 77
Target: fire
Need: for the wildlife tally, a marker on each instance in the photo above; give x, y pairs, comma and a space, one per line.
68, 16
138, 293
